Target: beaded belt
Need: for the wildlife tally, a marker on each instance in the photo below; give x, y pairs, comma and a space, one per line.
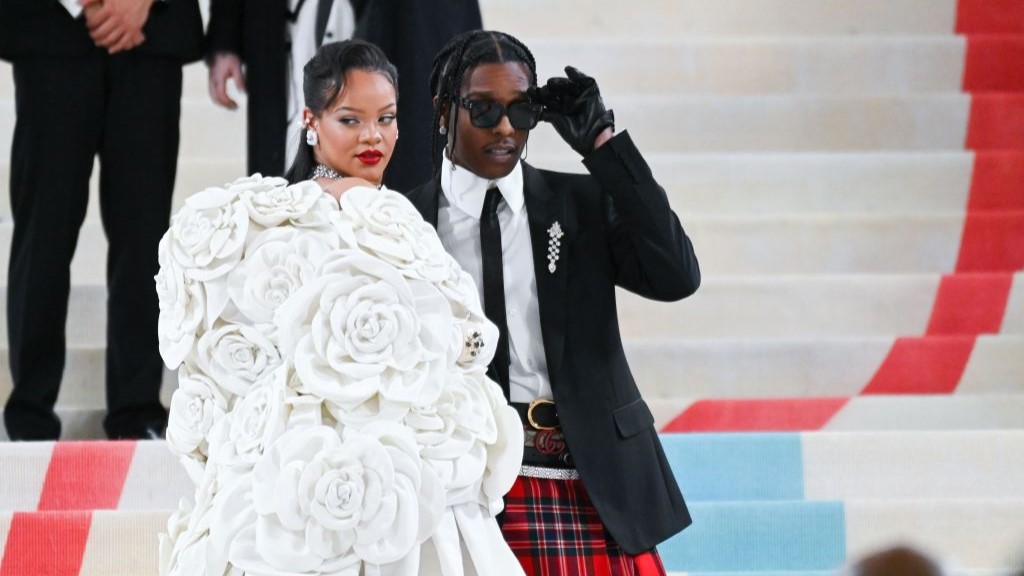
549, 473
543, 441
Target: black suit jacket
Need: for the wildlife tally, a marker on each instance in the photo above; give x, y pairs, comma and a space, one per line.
619, 231
173, 30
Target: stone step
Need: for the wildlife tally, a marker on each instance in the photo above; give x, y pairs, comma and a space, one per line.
985, 411
750, 467
848, 465
787, 307
770, 307
728, 65
726, 245
923, 412
725, 537
685, 18
697, 368
683, 124
741, 183
761, 65
827, 367
84, 377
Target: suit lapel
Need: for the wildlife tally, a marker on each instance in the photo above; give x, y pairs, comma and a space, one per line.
425, 200
544, 208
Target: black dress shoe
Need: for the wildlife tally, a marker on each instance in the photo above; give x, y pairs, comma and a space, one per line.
29, 423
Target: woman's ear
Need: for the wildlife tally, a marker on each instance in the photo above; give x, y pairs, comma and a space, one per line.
308, 118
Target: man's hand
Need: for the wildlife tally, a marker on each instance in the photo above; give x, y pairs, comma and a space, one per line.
573, 105
225, 65
116, 24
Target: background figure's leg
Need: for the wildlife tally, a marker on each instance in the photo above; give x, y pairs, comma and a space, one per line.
138, 159
58, 103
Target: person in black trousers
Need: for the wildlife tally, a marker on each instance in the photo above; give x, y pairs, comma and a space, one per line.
100, 78
595, 493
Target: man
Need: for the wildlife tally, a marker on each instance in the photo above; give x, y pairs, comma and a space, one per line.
595, 493
91, 78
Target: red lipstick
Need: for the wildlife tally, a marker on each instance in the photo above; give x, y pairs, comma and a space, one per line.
370, 157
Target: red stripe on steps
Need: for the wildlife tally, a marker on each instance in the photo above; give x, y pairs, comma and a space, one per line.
757, 415
992, 242
49, 544
997, 182
970, 304
990, 16
930, 365
996, 122
86, 475
82, 476
994, 63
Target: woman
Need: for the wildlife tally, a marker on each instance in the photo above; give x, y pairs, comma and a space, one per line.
595, 492
332, 404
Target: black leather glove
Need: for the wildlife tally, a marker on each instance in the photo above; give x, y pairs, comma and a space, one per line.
574, 107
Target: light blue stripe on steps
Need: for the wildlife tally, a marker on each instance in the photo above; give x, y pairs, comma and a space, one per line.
759, 537
711, 467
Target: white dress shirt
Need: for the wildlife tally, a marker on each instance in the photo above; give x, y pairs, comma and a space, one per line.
458, 225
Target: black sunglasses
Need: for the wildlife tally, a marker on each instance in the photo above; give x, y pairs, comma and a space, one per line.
522, 115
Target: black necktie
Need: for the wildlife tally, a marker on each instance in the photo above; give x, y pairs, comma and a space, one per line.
494, 285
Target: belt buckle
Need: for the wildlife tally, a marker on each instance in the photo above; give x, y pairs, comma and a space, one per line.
529, 414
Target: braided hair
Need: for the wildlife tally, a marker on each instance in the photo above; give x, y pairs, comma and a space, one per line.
323, 78
457, 59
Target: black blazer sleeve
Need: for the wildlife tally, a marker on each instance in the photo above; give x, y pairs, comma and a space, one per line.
224, 31
652, 255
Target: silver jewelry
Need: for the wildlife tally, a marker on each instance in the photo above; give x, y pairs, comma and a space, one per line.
324, 171
555, 235
311, 137
549, 473
443, 130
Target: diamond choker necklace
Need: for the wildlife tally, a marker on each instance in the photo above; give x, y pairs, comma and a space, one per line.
324, 171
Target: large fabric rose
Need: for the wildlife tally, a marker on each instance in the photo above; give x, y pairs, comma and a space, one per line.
325, 505
256, 420
386, 225
182, 305
198, 536
207, 236
273, 202
277, 263
197, 403
369, 341
236, 355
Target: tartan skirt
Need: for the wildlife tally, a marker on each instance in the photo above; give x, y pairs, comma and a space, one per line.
554, 530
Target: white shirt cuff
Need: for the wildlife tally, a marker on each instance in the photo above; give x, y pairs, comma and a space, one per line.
72, 6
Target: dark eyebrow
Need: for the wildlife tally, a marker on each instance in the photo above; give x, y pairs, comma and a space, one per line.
358, 110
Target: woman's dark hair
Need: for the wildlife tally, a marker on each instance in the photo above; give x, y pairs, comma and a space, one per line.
323, 78
457, 59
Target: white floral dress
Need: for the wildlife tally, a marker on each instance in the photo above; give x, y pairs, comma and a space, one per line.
332, 406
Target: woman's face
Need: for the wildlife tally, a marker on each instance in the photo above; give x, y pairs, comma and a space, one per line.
490, 152
357, 131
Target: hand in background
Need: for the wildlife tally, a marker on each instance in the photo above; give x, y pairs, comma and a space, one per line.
574, 107
224, 66
116, 24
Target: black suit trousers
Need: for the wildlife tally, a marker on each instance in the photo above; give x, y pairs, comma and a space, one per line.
124, 109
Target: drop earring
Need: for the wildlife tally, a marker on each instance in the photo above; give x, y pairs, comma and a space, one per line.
311, 137
443, 131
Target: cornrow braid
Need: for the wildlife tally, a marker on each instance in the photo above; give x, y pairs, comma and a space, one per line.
457, 59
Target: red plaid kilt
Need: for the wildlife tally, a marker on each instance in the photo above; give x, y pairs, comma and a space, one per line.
554, 530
